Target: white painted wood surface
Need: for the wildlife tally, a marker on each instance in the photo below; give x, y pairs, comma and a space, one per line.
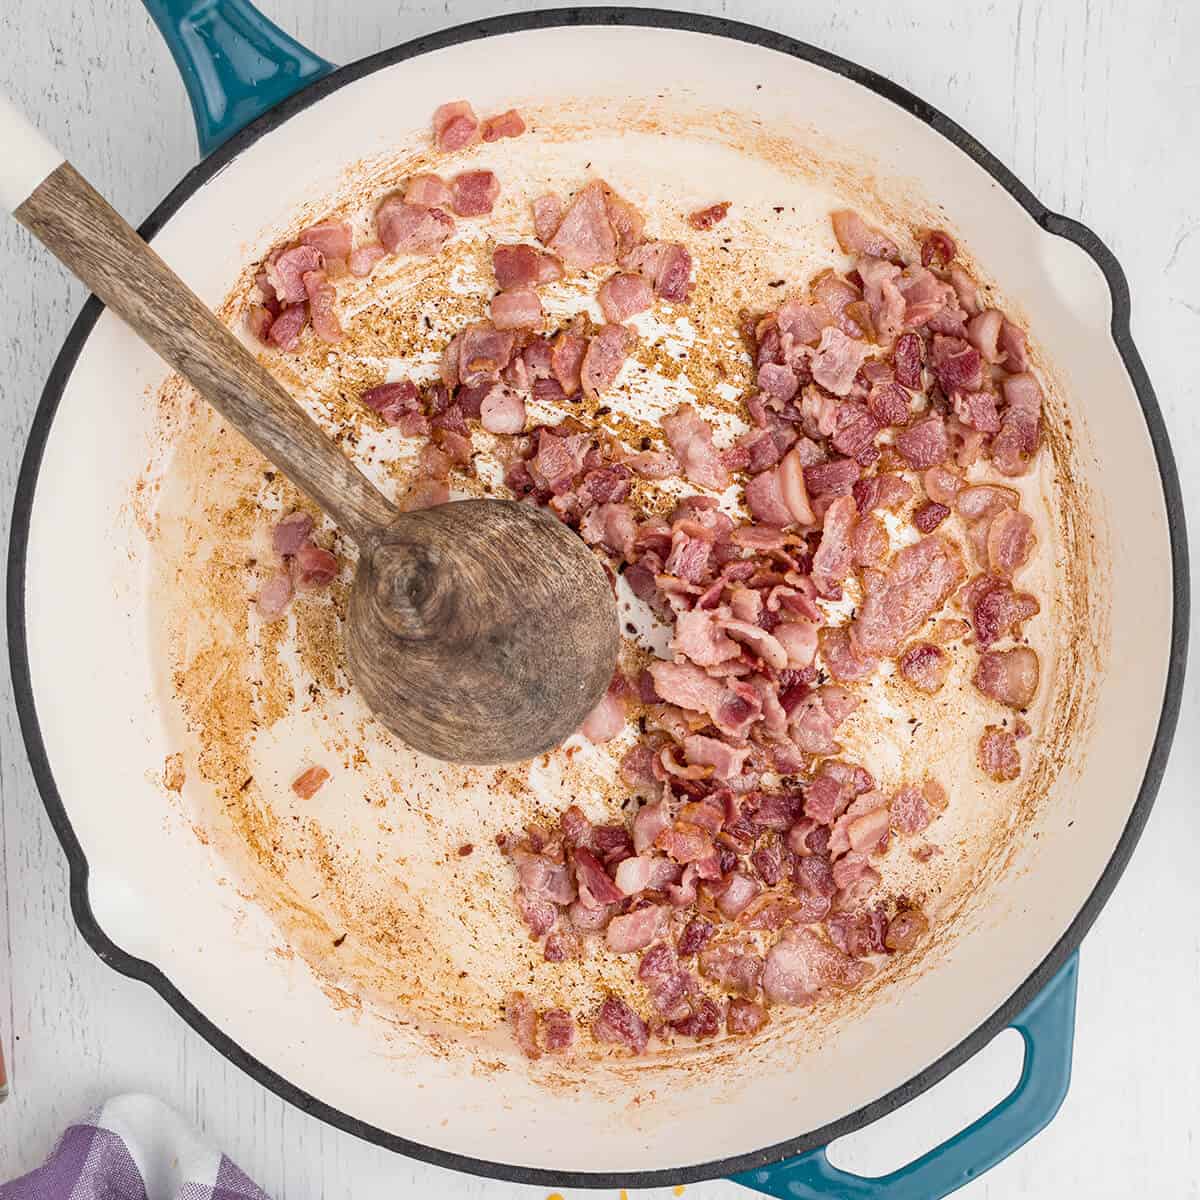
1089, 102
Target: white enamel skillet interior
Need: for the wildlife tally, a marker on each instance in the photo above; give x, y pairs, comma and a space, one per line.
144, 890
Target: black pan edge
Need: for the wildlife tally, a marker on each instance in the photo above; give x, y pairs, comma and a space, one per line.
1054, 223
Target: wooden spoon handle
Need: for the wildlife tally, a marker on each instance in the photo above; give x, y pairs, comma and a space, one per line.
81, 229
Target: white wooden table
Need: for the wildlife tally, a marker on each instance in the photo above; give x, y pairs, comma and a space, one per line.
1088, 101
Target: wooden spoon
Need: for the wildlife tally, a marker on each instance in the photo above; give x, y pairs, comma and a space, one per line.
480, 631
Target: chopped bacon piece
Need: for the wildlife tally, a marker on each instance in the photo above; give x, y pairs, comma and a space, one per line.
855, 236
258, 320
897, 603
704, 1020
888, 403
612, 526
957, 364
502, 410
925, 666
834, 478
744, 1016
483, 353
690, 438
996, 609
363, 260
937, 249
274, 596
332, 238
309, 782
567, 353
908, 358
834, 557
322, 306
474, 193
1013, 346
635, 930
432, 191
1010, 542
292, 533
313, 567
706, 218
929, 516
584, 237
411, 228
285, 272
668, 266
732, 968
507, 124
909, 811
1009, 676
606, 720
520, 265
547, 216
998, 755
800, 966
924, 443
983, 332
905, 928
623, 296
837, 360
881, 491
941, 485
1014, 447
519, 308
739, 891
454, 125
617, 1024
523, 1020
605, 356
595, 887
558, 1030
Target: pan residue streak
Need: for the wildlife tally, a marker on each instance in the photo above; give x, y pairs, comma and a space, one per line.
365, 880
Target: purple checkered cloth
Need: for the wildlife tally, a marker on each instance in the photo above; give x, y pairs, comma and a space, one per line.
133, 1148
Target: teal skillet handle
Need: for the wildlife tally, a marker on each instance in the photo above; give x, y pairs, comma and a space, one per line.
1048, 1029
235, 63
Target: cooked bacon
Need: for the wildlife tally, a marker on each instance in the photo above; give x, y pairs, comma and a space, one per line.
837, 360
285, 272
432, 191
937, 249
607, 719
668, 266
744, 1017
520, 265
964, 289
985, 500
957, 364
1010, 542
635, 930
881, 491
322, 307
885, 301
1013, 346
997, 610
623, 296
833, 559
363, 260
617, 1024
595, 886
690, 439
998, 755
483, 353
800, 966
1014, 447
983, 332
732, 967
558, 1030
523, 1020
425, 493
547, 216
313, 567
274, 596
699, 636
941, 485
474, 193
1009, 676
612, 526
908, 359
584, 237
332, 238
454, 125
290, 534
834, 478
855, 435
897, 603
910, 813
507, 124
925, 666
726, 761
519, 308
888, 403
929, 516
905, 929
411, 228
309, 782
924, 443
858, 934
258, 320
925, 296
855, 236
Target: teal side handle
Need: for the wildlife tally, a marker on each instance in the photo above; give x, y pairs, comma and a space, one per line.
1048, 1029
235, 63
